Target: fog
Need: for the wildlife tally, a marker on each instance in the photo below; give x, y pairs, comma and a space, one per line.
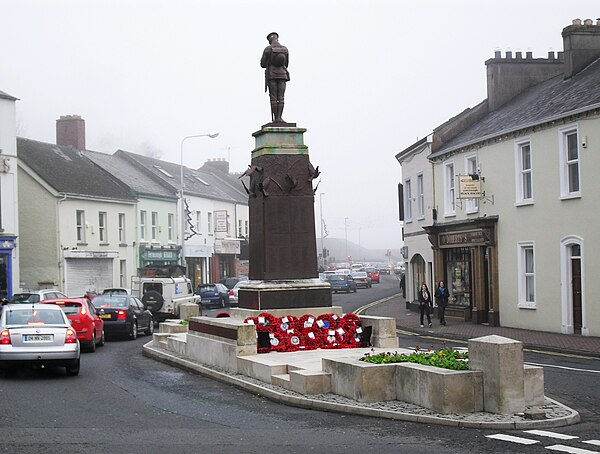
368, 79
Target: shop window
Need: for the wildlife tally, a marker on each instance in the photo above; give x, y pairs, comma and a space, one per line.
458, 275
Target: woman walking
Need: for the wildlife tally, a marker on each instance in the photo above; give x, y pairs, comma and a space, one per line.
425, 304
441, 299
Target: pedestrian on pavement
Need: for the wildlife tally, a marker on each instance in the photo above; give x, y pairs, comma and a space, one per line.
441, 299
403, 285
425, 304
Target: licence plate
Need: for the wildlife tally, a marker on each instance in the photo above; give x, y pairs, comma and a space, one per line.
38, 337
105, 316
205, 301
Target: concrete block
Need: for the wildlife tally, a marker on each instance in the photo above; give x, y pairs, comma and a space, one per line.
212, 352
441, 390
188, 310
282, 380
501, 361
383, 331
310, 381
262, 370
172, 326
177, 344
534, 385
361, 381
227, 329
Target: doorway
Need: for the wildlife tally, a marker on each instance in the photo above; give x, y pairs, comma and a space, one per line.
576, 287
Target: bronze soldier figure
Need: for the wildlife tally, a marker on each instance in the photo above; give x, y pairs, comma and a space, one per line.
275, 60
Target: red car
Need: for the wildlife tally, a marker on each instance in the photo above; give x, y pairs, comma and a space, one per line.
82, 313
373, 274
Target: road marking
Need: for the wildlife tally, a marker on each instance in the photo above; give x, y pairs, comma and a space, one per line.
374, 303
512, 439
574, 369
570, 449
592, 442
545, 433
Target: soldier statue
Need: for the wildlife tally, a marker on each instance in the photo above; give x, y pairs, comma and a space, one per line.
275, 60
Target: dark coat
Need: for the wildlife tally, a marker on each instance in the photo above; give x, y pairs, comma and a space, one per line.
425, 301
442, 298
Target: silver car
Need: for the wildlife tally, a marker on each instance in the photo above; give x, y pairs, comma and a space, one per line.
39, 335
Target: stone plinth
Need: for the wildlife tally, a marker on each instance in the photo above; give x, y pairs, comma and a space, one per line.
279, 294
501, 361
383, 331
534, 385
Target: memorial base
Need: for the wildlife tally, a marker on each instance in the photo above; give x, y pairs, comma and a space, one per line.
285, 294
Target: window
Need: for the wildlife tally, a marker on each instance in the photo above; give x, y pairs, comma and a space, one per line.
80, 215
240, 231
154, 225
123, 273
102, 234
471, 168
198, 221
449, 193
420, 197
170, 225
526, 270
209, 216
246, 228
524, 166
122, 228
407, 201
569, 162
142, 226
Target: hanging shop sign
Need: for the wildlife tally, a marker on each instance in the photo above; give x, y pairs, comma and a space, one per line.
470, 187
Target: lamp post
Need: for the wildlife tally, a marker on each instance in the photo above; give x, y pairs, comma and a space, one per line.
321, 194
212, 135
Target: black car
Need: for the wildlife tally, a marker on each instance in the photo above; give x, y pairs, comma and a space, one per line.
124, 314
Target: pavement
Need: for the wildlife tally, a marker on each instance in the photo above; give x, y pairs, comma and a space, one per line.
407, 320
555, 413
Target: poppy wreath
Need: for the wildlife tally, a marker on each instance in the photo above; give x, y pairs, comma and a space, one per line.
267, 322
327, 321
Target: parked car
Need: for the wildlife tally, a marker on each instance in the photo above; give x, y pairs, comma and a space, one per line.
233, 293
399, 268
40, 335
83, 317
116, 291
342, 283
213, 294
35, 296
124, 314
362, 279
229, 282
373, 274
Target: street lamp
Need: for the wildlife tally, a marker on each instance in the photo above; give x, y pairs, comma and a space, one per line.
321, 194
212, 135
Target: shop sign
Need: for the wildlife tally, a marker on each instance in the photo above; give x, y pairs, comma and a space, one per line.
75, 254
469, 187
221, 221
197, 250
7, 245
157, 254
461, 238
227, 246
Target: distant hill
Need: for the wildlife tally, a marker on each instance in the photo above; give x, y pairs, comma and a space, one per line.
337, 252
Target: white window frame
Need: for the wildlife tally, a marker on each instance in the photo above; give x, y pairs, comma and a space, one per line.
420, 196
525, 277
240, 228
80, 221
143, 220
122, 238
471, 168
154, 225
102, 227
198, 222
209, 222
170, 226
407, 201
565, 163
449, 189
521, 174
123, 273
246, 228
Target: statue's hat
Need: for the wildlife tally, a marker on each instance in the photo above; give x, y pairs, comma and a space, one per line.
272, 33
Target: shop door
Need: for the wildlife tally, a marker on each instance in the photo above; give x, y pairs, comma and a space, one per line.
576, 295
4, 276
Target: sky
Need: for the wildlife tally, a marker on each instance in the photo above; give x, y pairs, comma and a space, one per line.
368, 79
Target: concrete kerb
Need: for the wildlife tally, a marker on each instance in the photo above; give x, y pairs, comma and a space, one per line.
345, 405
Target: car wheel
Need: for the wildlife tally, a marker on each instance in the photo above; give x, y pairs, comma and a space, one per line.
102, 340
92, 347
150, 329
73, 369
133, 331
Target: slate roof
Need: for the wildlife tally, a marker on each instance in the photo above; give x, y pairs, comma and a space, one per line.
552, 99
200, 183
68, 171
132, 175
4, 95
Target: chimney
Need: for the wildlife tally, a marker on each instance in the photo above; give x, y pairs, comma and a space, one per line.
216, 164
70, 130
581, 43
508, 77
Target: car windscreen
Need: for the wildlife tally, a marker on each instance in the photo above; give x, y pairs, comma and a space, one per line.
34, 317
26, 298
360, 274
69, 308
337, 278
207, 288
113, 301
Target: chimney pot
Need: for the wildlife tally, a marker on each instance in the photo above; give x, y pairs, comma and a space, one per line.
598, 21
576, 21
508, 55
529, 55
497, 54
560, 55
519, 55
588, 22
550, 55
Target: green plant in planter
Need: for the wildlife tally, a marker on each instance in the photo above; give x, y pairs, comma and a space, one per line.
184, 322
446, 358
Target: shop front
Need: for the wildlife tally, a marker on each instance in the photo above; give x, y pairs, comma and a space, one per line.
197, 259
224, 262
7, 246
465, 258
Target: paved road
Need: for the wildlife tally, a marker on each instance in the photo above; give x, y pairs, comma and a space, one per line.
124, 402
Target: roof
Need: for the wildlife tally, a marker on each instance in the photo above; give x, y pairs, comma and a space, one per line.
68, 171
549, 100
131, 175
4, 95
201, 183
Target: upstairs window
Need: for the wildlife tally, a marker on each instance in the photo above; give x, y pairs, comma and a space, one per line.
449, 190
420, 197
171, 226
569, 161
122, 228
524, 176
407, 201
142, 225
154, 227
471, 168
80, 219
102, 232
209, 224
